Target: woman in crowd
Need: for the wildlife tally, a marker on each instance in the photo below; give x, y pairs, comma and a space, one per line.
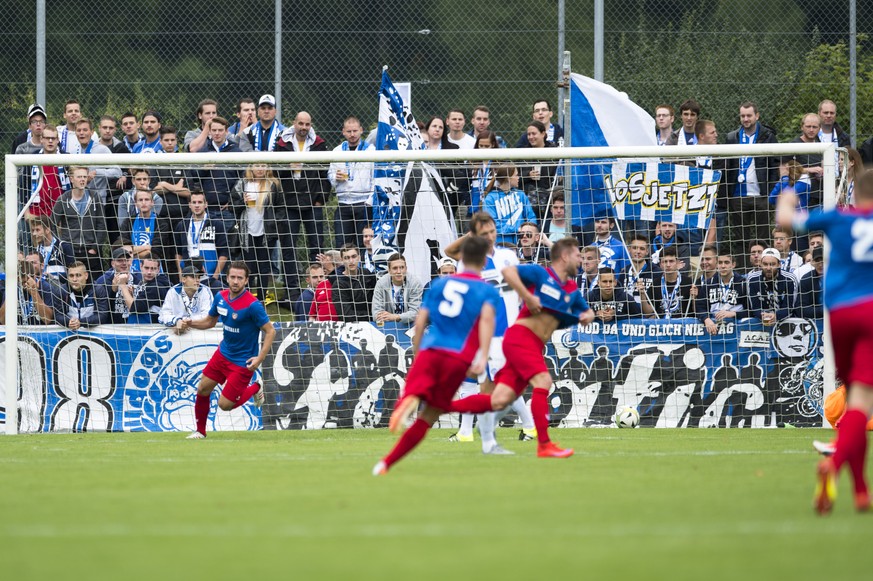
538, 179
482, 174
507, 204
253, 198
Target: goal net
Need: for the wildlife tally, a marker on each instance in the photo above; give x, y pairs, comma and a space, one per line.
707, 315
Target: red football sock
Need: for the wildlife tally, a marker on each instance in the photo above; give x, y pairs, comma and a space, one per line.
201, 412
539, 409
852, 446
407, 442
473, 404
247, 394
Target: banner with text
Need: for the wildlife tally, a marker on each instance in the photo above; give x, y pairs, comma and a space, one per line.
326, 375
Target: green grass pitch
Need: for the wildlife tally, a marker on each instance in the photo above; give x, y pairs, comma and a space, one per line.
631, 504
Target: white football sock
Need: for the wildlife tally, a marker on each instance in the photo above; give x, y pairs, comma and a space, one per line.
486, 430
519, 406
467, 388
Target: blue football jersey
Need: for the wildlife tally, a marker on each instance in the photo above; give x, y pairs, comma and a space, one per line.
242, 318
561, 300
850, 265
453, 304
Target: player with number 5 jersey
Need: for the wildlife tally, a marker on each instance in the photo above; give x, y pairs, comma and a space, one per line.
848, 296
461, 312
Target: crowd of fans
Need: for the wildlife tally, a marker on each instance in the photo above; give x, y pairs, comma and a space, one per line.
168, 233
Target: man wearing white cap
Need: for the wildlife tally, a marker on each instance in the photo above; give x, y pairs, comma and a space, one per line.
30, 141
772, 291
262, 136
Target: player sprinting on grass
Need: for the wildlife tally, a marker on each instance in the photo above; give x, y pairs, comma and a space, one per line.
552, 301
237, 357
461, 311
849, 298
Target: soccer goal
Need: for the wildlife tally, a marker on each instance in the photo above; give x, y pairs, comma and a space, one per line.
707, 315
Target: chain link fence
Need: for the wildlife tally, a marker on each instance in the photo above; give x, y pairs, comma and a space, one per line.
786, 55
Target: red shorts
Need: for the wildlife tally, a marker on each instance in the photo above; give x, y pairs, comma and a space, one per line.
435, 376
524, 358
852, 336
234, 377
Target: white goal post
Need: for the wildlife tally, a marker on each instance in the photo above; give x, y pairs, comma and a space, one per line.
566, 155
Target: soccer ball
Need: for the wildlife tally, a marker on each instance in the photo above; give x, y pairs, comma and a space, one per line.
627, 418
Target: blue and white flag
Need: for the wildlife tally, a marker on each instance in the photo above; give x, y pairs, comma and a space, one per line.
601, 116
654, 191
410, 208
396, 131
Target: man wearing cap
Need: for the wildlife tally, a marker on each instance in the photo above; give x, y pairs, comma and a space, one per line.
30, 141
447, 267
809, 303
772, 291
262, 136
189, 299
108, 286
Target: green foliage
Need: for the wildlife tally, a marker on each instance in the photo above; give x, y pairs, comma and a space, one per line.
825, 75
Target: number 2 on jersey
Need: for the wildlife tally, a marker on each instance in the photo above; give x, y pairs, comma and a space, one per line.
862, 247
453, 292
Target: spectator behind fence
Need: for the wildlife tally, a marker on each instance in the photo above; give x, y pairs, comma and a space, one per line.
589, 273
689, 112
55, 182
30, 141
323, 307
542, 113
639, 268
555, 225
127, 209
188, 299
79, 220
670, 296
245, 116
455, 122
749, 179
809, 298
354, 187
482, 122
300, 207
756, 249
171, 183
151, 129
665, 116
772, 291
148, 234
611, 304
353, 287
788, 259
201, 239
195, 139
482, 173
612, 251
396, 297
79, 306
533, 246
99, 178
108, 286
722, 296
263, 135
67, 142
144, 295
539, 179
810, 128
36, 294
314, 276
56, 255
507, 204
253, 198
216, 183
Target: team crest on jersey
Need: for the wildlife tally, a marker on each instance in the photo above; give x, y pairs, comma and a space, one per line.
234, 316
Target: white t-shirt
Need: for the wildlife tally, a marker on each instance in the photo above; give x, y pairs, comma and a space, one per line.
466, 142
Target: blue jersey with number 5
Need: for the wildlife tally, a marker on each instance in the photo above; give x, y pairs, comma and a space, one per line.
454, 304
849, 275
